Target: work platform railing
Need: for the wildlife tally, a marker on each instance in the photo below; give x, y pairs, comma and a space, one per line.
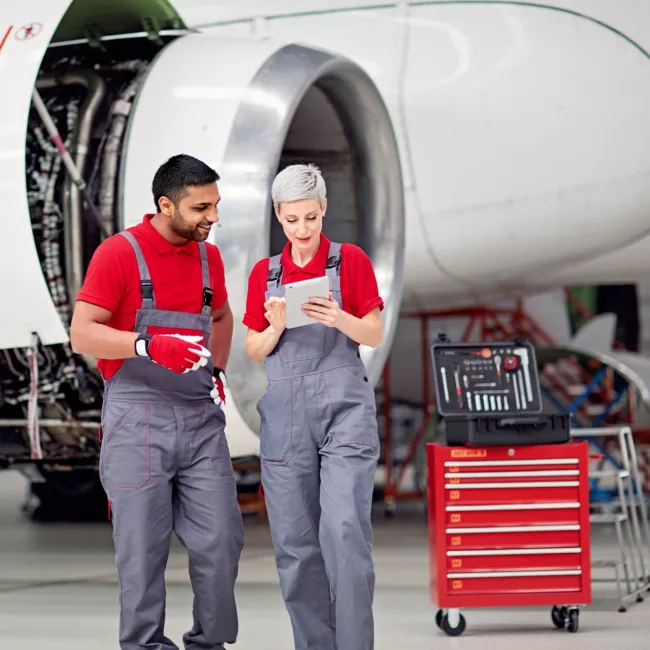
627, 514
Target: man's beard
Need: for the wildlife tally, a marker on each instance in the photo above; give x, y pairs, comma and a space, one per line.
186, 230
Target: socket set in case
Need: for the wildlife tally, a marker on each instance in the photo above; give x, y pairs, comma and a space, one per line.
489, 393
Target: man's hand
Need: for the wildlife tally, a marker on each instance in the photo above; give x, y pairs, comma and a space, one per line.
324, 311
275, 313
177, 353
218, 393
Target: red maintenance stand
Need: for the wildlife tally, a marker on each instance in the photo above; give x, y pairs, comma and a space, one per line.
508, 497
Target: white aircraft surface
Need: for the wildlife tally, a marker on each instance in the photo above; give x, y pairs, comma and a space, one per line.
476, 150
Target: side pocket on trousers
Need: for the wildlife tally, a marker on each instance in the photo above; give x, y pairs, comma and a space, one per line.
274, 407
218, 443
126, 447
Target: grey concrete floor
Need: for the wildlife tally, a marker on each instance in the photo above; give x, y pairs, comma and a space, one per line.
58, 591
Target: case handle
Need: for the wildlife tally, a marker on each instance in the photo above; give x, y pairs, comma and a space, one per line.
515, 423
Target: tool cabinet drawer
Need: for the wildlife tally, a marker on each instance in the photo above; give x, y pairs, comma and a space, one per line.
532, 454
516, 559
532, 476
515, 492
499, 582
494, 537
509, 514
522, 465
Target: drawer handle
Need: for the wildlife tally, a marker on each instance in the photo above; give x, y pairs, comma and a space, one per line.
513, 574
511, 463
514, 506
547, 472
484, 486
512, 529
571, 550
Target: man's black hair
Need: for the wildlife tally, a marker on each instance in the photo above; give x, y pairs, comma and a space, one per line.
174, 176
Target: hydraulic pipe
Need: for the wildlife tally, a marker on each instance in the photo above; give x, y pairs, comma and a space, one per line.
75, 186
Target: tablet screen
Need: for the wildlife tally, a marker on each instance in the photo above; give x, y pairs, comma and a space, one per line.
298, 293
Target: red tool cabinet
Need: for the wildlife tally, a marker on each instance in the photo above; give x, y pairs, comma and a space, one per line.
509, 526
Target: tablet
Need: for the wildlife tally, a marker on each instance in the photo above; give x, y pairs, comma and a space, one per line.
298, 293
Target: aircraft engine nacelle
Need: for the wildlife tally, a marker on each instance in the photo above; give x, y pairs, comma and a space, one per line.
120, 109
272, 105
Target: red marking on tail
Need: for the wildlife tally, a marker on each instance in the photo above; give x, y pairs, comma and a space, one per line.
5, 37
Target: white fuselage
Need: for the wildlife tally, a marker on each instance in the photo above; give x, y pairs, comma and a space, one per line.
522, 138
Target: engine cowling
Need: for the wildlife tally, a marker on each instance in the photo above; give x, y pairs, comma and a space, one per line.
274, 103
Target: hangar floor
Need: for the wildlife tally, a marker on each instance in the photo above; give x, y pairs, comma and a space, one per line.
58, 591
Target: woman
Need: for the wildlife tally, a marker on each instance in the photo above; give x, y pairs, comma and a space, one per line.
319, 443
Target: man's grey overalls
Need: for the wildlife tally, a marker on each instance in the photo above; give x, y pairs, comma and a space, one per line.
319, 449
165, 465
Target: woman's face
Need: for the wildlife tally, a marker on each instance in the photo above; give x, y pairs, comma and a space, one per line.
302, 222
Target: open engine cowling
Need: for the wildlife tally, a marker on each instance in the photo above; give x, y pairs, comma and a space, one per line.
249, 108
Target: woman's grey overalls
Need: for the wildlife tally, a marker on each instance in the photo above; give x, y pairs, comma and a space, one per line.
319, 449
165, 465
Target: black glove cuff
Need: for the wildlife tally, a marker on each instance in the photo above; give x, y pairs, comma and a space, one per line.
142, 345
217, 372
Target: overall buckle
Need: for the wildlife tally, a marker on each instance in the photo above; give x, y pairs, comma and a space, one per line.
207, 297
147, 289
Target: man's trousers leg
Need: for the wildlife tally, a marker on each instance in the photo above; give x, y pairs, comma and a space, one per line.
208, 521
136, 470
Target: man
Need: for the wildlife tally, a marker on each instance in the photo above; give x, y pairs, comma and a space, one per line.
319, 443
154, 299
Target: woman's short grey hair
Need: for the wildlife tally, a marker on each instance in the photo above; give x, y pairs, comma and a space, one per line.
298, 182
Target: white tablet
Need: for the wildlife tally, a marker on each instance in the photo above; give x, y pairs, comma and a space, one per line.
298, 293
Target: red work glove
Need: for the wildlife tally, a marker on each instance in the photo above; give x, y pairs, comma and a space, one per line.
218, 393
175, 352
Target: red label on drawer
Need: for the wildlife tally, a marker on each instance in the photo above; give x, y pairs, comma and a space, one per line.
468, 453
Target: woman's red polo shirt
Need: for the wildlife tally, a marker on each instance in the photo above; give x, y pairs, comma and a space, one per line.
358, 283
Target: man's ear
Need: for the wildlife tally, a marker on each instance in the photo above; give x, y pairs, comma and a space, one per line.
166, 206
324, 207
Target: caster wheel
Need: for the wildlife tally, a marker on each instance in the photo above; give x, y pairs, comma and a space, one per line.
572, 624
557, 617
453, 631
439, 615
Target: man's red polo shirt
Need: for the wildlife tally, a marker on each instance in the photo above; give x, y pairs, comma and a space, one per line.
358, 283
113, 280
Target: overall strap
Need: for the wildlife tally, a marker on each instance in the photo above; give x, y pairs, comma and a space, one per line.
206, 303
333, 266
148, 300
274, 278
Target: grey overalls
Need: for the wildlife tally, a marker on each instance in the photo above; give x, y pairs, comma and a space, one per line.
165, 465
319, 449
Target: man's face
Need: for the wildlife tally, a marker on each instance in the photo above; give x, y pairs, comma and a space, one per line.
196, 212
302, 222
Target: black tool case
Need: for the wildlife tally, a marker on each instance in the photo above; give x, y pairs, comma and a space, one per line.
489, 395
